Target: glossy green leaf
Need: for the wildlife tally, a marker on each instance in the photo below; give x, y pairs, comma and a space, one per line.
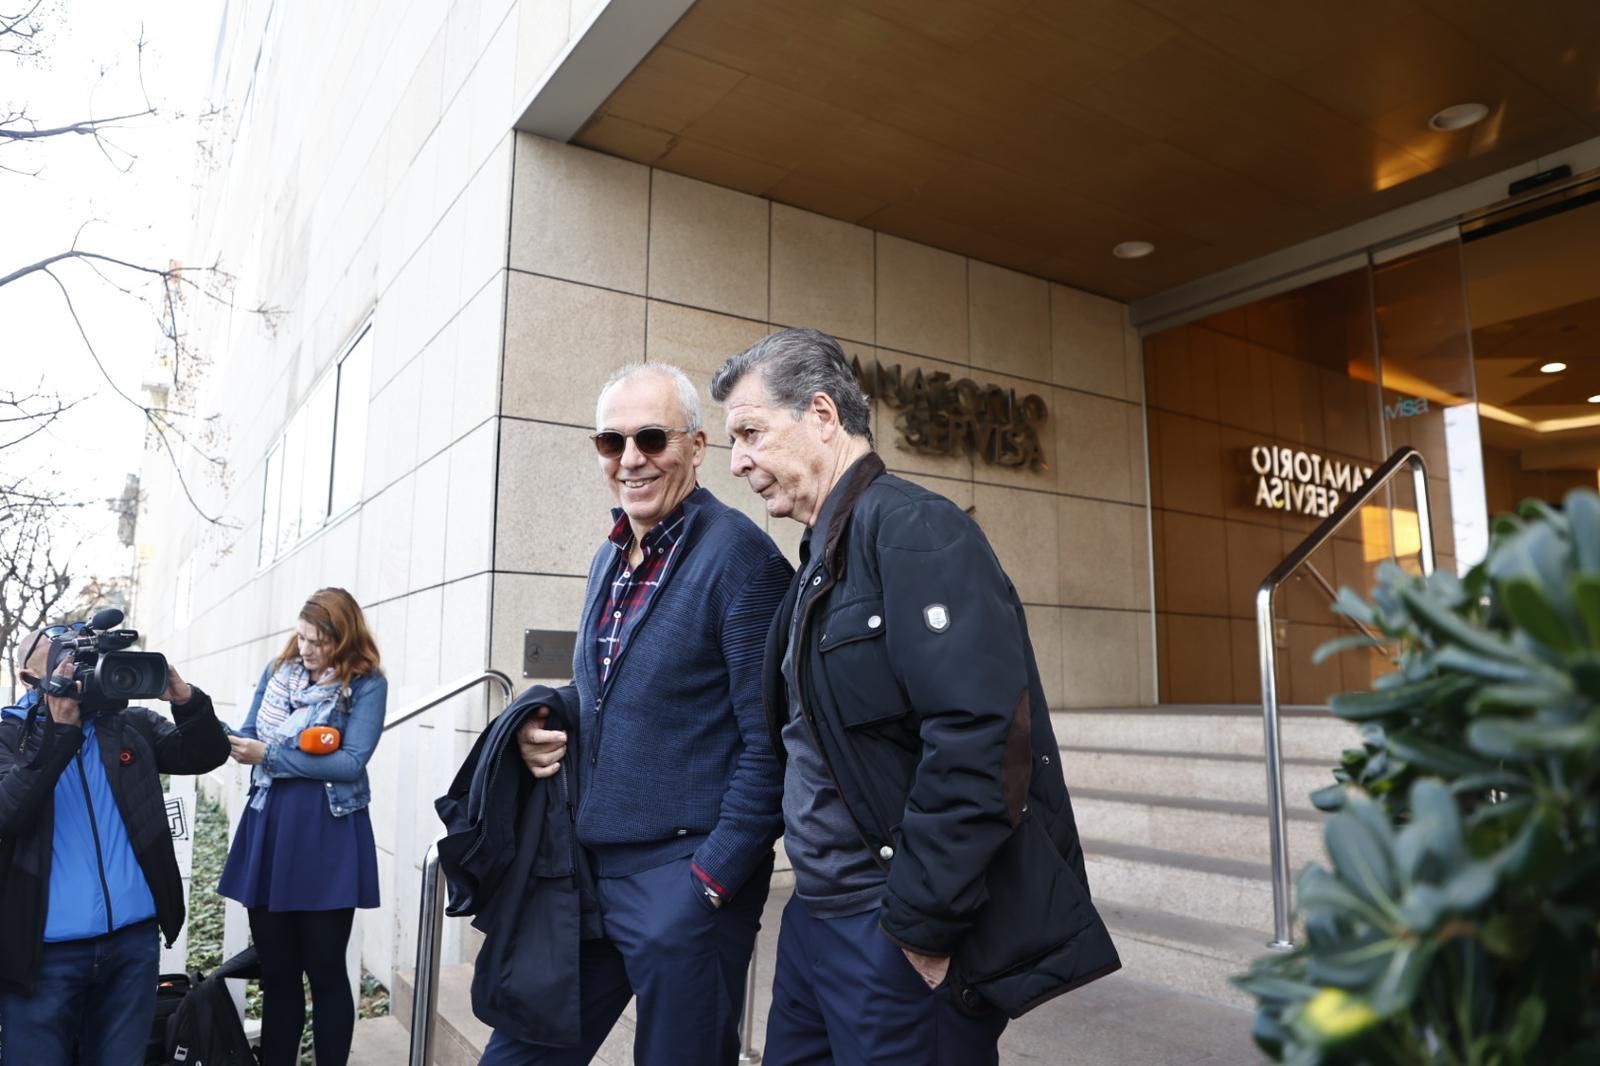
1350, 604
1429, 848
1355, 966
1583, 523
1536, 852
1508, 934
1586, 601
1517, 738
1361, 706
1436, 757
1516, 698
1397, 988
1422, 908
1362, 858
1318, 889
1331, 798
1525, 1030
1454, 657
1447, 625
1469, 887
1531, 609
1342, 644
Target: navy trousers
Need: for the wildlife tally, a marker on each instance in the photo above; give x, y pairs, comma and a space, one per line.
845, 995
99, 995
684, 960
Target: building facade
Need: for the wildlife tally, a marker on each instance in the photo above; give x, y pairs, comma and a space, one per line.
454, 220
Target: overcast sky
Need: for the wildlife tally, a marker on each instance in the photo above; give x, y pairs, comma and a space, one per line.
90, 69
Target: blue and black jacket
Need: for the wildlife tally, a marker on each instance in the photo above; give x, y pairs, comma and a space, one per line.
85, 847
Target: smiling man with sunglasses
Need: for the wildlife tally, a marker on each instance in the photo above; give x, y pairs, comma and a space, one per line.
88, 879
679, 796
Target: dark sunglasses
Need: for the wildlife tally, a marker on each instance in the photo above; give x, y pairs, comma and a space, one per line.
50, 632
652, 440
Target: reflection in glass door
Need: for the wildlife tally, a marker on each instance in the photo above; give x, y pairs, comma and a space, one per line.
1260, 418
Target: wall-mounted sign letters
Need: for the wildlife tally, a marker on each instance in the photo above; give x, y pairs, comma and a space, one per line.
1406, 408
1302, 482
936, 415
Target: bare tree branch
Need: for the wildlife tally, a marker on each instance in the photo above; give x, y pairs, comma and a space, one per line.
89, 127
161, 426
35, 568
19, 34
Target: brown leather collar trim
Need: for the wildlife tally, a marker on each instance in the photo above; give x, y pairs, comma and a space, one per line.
842, 501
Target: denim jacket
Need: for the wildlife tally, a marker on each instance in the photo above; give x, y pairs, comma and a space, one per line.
343, 772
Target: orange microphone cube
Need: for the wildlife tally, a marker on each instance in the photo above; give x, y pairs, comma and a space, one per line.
319, 740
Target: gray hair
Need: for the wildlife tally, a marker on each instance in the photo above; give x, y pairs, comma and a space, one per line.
688, 395
795, 365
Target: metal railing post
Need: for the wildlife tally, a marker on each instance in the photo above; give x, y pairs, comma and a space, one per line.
1419, 489
1282, 936
425, 986
1266, 638
747, 1036
430, 910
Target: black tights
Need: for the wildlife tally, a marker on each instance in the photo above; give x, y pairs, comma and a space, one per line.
313, 943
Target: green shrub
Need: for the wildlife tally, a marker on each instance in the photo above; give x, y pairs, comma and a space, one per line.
1460, 921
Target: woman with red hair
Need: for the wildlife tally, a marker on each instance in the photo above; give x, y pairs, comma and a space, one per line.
303, 859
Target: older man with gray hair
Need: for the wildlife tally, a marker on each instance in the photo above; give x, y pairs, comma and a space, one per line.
939, 884
680, 795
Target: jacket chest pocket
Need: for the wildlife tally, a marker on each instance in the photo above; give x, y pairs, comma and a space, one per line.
855, 661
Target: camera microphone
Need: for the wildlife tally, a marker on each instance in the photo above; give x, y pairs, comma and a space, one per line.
106, 618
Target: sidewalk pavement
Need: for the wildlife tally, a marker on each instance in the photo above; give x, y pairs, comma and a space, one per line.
1117, 1021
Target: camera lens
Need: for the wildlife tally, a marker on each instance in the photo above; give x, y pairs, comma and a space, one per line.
132, 675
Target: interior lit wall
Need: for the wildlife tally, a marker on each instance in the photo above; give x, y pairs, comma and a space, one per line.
1507, 484
1290, 371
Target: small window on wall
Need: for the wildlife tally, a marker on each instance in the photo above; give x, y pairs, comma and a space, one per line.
269, 505
313, 472
350, 424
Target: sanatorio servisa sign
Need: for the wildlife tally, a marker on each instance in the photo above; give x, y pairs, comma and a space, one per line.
1302, 482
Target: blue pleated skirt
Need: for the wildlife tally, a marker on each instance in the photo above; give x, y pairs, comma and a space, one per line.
294, 855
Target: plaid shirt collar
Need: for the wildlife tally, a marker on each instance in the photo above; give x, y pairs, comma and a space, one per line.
663, 535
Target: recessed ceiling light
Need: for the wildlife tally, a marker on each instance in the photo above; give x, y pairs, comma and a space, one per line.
1595, 398
1458, 117
1133, 249
1552, 368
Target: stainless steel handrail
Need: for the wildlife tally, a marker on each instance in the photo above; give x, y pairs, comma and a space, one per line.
1282, 934
455, 688
748, 1055
425, 982
430, 917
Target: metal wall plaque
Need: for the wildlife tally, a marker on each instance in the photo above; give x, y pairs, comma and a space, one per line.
547, 653
936, 415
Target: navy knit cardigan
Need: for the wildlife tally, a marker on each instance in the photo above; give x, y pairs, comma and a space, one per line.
677, 760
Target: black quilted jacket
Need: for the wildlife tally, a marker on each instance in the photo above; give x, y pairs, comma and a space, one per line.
196, 744
918, 681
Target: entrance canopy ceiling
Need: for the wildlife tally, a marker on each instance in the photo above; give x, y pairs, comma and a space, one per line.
1038, 134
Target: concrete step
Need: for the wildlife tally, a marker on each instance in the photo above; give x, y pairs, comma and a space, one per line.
1306, 734
1192, 775
458, 1036
1191, 886
1222, 829
380, 1042
1191, 955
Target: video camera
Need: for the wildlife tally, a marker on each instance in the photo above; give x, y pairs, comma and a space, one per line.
106, 672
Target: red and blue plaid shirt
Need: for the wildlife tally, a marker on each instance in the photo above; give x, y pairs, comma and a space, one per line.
632, 586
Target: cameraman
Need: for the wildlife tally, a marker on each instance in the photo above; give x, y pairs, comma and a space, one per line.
87, 871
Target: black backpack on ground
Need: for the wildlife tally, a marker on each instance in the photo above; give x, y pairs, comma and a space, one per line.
171, 988
205, 1029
